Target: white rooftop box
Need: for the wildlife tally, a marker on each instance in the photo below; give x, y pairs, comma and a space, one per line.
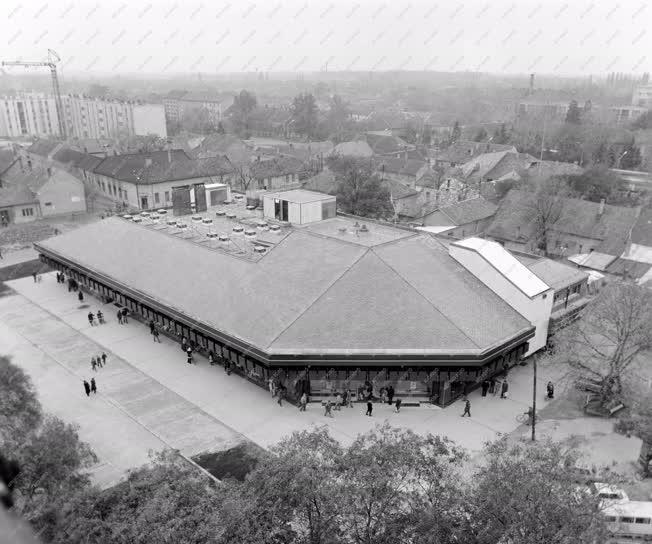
298, 206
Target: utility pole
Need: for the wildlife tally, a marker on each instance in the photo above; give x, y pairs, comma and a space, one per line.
534, 398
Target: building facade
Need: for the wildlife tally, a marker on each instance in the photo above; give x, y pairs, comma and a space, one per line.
29, 114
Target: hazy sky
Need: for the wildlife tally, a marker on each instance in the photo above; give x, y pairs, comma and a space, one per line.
547, 36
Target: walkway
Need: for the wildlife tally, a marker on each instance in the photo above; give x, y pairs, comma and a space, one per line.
248, 408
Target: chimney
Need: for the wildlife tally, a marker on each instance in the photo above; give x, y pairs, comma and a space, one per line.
601, 208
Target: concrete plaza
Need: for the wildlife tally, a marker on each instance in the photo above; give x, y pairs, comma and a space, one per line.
149, 398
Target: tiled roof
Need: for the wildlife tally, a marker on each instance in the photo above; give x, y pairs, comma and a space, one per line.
385, 143
214, 145
136, 169
400, 166
278, 166
463, 151
14, 195
642, 231
399, 190
357, 148
634, 269
80, 160
547, 169
495, 165
43, 147
556, 274
470, 210
401, 297
578, 217
7, 158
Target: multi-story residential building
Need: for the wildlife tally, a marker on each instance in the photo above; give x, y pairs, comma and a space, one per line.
178, 104
28, 114
642, 97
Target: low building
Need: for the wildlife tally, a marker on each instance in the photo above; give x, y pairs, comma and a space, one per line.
400, 169
489, 167
276, 173
298, 207
461, 219
29, 114
327, 305
387, 144
463, 151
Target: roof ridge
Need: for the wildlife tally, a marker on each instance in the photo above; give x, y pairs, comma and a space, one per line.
424, 297
322, 294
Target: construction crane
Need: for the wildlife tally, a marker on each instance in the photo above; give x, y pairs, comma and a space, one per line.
51, 63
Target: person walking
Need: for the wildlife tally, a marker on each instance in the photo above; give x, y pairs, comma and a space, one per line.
397, 407
103, 358
93, 386
87, 388
303, 401
211, 358
338, 402
98, 360
189, 354
328, 409
91, 319
125, 314
152, 327
390, 395
80, 296
550, 388
184, 343
350, 398
498, 386
100, 317
467, 408
504, 389
157, 339
485, 387
94, 364
119, 316
370, 408
271, 388
281, 395
34, 276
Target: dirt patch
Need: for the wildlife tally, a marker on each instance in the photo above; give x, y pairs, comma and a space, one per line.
235, 462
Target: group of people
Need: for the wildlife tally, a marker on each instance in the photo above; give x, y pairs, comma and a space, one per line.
494, 386
96, 362
36, 276
123, 316
100, 318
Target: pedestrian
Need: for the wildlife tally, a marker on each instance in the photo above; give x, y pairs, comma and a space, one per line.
505, 369
492, 386
398, 405
91, 318
467, 408
227, 367
152, 327
370, 408
281, 395
390, 394
157, 339
125, 314
338, 402
498, 387
69, 284
503, 390
184, 343
189, 358
94, 364
87, 388
302, 402
93, 386
103, 358
98, 360
63, 278
119, 316
189, 353
58, 277
271, 387
350, 398
485, 387
100, 317
345, 397
327, 408
211, 357
34, 276
550, 388
80, 296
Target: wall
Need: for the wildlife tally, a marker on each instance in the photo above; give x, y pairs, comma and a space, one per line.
39, 115
537, 309
150, 119
18, 213
64, 192
312, 211
294, 212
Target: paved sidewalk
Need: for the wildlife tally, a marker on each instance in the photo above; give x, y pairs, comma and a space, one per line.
132, 412
249, 409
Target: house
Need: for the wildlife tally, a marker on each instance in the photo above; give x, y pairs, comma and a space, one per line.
146, 180
276, 173
583, 227
33, 192
549, 169
460, 219
493, 166
356, 148
463, 151
386, 144
215, 145
404, 170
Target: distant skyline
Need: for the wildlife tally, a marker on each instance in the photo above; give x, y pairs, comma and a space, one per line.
559, 37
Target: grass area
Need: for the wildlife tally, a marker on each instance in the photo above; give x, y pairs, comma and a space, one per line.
235, 462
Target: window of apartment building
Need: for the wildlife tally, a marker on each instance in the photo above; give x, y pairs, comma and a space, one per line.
157, 198
27, 212
167, 196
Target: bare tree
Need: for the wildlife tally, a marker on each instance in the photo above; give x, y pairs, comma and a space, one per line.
546, 208
613, 331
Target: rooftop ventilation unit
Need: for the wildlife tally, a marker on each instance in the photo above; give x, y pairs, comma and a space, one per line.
138, 219
127, 216
162, 211
154, 216
172, 222
211, 235
364, 228
275, 228
230, 216
207, 220
260, 249
220, 213
196, 218
250, 233
144, 214
238, 229
251, 208
238, 197
262, 225
181, 225
223, 238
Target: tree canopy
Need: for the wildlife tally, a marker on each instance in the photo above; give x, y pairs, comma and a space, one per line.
304, 114
19, 406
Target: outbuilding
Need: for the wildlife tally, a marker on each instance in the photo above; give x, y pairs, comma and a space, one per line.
298, 206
